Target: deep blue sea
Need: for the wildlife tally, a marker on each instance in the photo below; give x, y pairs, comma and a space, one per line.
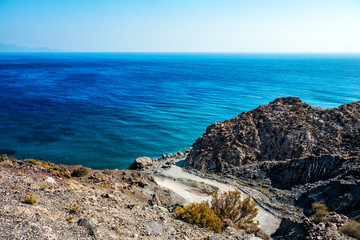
104, 110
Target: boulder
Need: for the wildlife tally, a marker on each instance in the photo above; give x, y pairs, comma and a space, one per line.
154, 227
141, 163
88, 224
50, 180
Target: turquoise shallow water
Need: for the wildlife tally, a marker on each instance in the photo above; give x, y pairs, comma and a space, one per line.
104, 110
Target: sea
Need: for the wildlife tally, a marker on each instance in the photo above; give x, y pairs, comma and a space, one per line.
103, 110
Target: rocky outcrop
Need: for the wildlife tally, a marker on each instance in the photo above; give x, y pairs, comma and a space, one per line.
306, 229
285, 175
341, 195
284, 129
295, 153
141, 163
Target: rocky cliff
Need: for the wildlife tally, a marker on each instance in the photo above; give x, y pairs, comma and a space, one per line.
284, 129
296, 155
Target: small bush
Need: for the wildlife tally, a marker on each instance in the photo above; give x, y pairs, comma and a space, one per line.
319, 212
229, 205
6, 158
54, 169
352, 229
80, 172
265, 190
200, 214
107, 172
74, 208
15, 186
30, 198
43, 186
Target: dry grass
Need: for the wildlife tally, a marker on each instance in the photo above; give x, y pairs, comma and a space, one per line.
352, 229
80, 172
15, 186
107, 172
30, 198
320, 212
200, 214
230, 205
54, 169
74, 208
265, 190
43, 186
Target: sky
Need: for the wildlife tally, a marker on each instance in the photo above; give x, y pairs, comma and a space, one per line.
183, 25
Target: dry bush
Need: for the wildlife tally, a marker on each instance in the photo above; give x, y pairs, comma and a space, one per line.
30, 198
352, 229
74, 208
54, 169
256, 230
15, 186
6, 158
319, 212
265, 190
43, 186
80, 172
229, 205
107, 172
200, 214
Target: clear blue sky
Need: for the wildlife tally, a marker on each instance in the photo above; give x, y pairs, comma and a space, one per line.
183, 25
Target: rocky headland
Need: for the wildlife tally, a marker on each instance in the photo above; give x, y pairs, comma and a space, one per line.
295, 154
287, 155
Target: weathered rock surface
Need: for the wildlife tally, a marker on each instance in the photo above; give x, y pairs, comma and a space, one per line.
141, 163
295, 155
306, 229
284, 129
112, 204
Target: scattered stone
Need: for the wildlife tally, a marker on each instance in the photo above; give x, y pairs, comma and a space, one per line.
50, 180
88, 224
154, 227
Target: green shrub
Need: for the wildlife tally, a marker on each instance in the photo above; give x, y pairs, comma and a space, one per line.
80, 172
352, 229
319, 212
229, 205
200, 214
30, 198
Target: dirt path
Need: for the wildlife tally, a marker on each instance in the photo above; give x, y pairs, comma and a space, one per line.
194, 188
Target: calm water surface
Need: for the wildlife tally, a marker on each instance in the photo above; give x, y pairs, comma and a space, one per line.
104, 110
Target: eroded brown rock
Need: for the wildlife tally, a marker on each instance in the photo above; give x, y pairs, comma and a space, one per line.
283, 129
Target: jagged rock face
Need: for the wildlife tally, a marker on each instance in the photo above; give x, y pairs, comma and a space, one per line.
285, 175
284, 129
340, 194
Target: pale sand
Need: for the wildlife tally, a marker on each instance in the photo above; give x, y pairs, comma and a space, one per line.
173, 178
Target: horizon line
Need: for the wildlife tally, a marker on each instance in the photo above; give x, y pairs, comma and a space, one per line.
175, 52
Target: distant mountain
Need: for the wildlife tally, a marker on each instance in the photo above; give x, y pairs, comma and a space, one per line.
16, 48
